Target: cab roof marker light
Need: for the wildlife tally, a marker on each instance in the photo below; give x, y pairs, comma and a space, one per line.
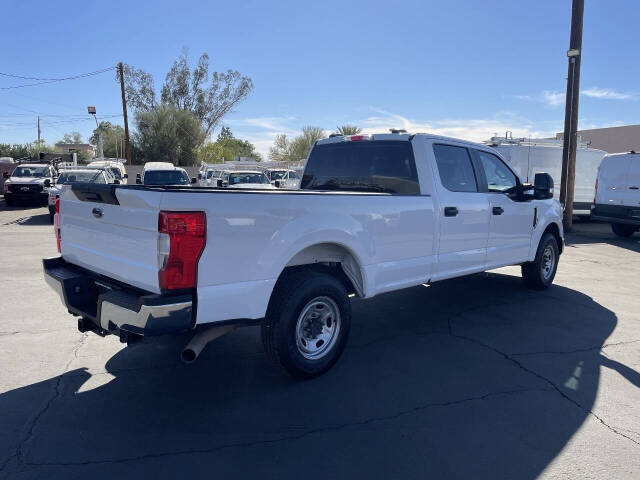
357, 138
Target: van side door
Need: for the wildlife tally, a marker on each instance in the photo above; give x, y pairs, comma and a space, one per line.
631, 198
512, 218
463, 213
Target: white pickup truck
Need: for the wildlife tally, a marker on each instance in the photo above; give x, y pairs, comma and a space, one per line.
373, 214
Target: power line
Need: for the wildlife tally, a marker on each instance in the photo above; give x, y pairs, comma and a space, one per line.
43, 81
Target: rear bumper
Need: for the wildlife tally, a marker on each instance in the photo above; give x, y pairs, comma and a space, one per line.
115, 308
616, 214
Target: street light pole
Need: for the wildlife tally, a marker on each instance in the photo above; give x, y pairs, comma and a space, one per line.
92, 111
570, 138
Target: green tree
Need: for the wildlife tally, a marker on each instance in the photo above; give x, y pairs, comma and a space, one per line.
168, 134
209, 96
112, 139
227, 147
296, 149
348, 130
72, 137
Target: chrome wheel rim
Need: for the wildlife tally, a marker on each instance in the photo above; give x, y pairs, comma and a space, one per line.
317, 328
548, 262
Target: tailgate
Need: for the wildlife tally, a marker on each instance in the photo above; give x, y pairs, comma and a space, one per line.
112, 231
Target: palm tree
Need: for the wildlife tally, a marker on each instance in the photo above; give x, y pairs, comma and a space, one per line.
348, 130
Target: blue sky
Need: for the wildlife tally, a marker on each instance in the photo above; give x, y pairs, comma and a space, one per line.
461, 68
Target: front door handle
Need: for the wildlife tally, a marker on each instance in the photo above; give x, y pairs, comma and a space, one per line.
633, 188
498, 210
97, 212
450, 211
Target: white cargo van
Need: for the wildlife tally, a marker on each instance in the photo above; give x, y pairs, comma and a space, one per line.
617, 198
529, 156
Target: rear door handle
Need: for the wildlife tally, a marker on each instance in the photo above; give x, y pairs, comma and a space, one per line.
97, 212
498, 210
450, 211
633, 188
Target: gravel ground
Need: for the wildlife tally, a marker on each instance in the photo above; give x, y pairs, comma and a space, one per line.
469, 378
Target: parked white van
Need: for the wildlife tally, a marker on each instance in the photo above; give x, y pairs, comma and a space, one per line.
163, 173
115, 166
529, 156
617, 198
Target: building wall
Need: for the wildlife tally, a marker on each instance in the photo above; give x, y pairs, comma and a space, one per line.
611, 140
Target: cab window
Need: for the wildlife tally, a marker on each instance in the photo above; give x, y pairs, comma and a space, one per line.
499, 177
455, 168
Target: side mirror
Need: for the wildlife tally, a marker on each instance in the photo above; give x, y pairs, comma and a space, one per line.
193, 180
138, 177
138, 180
219, 183
543, 186
47, 183
277, 183
5, 175
126, 175
116, 182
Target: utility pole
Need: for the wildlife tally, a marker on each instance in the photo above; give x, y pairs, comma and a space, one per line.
127, 143
570, 138
38, 132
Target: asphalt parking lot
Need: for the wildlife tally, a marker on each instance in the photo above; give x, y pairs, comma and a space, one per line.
469, 378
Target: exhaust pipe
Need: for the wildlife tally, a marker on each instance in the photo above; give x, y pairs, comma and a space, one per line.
200, 340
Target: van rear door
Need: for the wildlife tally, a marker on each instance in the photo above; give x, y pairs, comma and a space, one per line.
632, 195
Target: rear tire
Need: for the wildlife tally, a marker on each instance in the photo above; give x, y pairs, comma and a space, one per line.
8, 201
539, 274
623, 230
307, 323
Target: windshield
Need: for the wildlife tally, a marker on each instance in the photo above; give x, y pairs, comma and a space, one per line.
277, 174
31, 172
166, 177
236, 178
67, 178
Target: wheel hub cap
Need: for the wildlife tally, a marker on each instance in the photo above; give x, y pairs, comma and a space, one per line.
318, 328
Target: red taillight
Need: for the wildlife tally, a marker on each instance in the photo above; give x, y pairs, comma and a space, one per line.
185, 233
56, 224
355, 138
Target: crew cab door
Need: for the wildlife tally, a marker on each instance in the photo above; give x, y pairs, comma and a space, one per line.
463, 213
511, 218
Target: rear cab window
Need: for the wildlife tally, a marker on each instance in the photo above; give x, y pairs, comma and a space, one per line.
386, 166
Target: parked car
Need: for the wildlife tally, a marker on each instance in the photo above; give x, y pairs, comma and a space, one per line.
283, 178
617, 198
29, 183
116, 167
374, 213
245, 179
209, 177
528, 156
68, 176
163, 174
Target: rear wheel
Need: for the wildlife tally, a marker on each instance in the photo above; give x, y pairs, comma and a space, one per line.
307, 323
540, 273
623, 230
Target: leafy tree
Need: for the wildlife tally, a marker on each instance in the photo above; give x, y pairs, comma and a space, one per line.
72, 137
348, 130
22, 150
208, 96
112, 139
168, 134
227, 147
296, 149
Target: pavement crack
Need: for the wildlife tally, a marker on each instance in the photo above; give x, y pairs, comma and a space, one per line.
19, 452
577, 350
325, 429
548, 381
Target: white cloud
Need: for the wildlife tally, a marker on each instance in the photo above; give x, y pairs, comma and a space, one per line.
553, 98
608, 94
263, 130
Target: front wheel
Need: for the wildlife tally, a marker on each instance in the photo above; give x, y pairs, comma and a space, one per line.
540, 273
623, 230
307, 323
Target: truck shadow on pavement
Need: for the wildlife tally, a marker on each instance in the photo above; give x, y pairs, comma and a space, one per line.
471, 378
